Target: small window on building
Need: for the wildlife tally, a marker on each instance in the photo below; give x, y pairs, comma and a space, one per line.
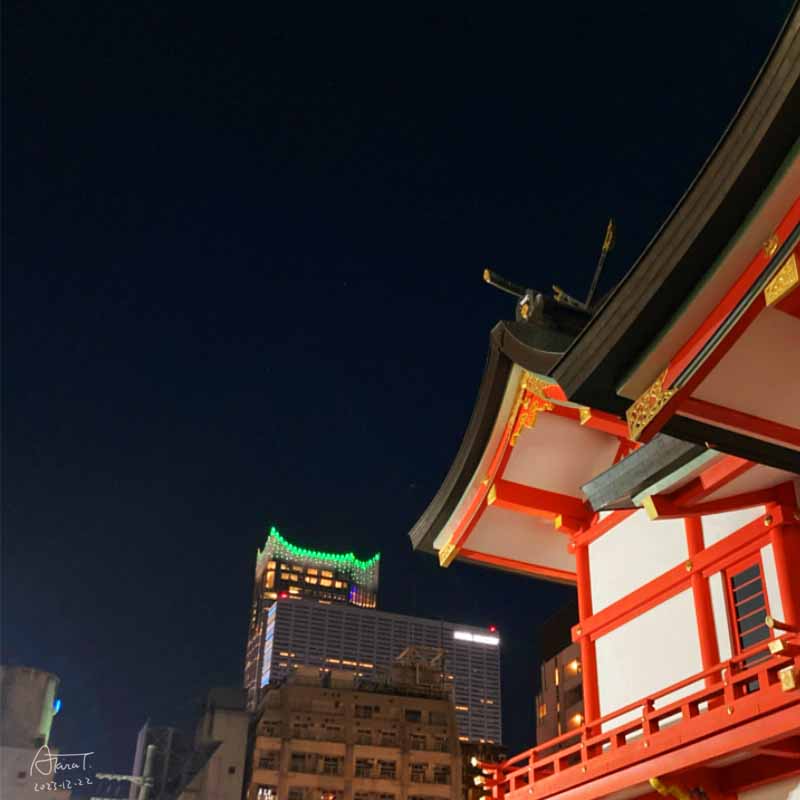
441, 773
413, 715
363, 768
388, 769
231, 770
542, 710
418, 773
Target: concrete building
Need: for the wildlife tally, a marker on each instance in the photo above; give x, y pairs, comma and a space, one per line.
559, 703
337, 636
339, 736
28, 702
211, 766
217, 769
284, 570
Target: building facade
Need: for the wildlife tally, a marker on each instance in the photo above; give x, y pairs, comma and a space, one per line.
365, 642
284, 570
335, 736
28, 703
652, 459
559, 702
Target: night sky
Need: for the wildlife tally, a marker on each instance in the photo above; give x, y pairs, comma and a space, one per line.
242, 287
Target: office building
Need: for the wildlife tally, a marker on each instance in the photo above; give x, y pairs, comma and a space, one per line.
284, 570
338, 636
559, 703
340, 736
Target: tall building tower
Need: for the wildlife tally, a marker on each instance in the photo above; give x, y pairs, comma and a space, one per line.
286, 571
338, 637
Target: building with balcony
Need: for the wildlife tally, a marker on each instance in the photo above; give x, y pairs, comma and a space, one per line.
284, 570
646, 449
342, 637
335, 736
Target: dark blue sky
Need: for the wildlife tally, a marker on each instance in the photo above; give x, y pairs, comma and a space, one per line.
242, 287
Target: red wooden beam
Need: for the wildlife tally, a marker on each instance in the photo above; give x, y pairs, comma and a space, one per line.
537, 502
739, 420
713, 477
662, 507
710, 325
539, 570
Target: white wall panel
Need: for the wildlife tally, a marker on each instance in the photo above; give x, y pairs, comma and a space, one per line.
633, 553
720, 608
717, 526
788, 789
651, 652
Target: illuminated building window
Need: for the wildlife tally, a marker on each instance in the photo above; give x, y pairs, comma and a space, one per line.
542, 710
270, 579
296, 568
284, 576
310, 580
326, 573
312, 571
325, 581
575, 720
555, 676
294, 590
574, 666
294, 577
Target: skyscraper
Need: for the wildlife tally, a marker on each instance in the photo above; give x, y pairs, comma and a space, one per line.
286, 571
337, 636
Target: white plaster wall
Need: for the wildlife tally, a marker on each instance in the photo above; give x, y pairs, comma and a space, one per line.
717, 526
788, 789
633, 553
720, 609
774, 603
652, 651
509, 534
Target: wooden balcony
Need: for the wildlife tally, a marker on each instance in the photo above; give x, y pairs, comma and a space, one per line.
743, 711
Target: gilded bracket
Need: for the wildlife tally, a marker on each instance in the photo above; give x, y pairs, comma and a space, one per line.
785, 281
642, 412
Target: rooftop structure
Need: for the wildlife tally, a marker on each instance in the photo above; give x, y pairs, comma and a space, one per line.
653, 461
285, 570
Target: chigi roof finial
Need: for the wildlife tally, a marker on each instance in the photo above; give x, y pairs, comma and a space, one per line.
527, 298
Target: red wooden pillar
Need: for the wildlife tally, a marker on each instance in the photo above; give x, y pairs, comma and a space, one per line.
704, 611
785, 540
591, 697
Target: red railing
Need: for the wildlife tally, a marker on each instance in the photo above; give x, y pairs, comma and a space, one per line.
729, 682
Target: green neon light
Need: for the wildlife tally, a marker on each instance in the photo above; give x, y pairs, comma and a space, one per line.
341, 558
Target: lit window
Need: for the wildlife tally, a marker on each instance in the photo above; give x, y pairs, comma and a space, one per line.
310, 580
312, 571
542, 710
325, 581
294, 590
326, 573
574, 666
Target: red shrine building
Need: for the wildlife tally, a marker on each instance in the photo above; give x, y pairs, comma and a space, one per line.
647, 450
